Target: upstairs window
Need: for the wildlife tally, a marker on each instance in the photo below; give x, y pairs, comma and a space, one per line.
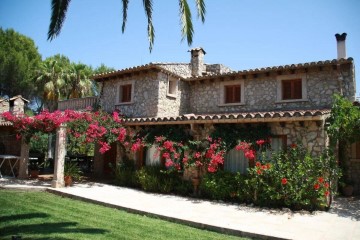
172, 88
232, 93
125, 93
291, 89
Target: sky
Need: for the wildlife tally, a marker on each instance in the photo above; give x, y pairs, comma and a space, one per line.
240, 34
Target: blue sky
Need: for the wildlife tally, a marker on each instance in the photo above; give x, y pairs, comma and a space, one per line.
241, 34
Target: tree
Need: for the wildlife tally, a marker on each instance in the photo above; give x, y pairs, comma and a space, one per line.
19, 58
59, 9
50, 78
103, 69
78, 83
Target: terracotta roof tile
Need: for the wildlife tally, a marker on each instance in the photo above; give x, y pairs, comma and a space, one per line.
292, 115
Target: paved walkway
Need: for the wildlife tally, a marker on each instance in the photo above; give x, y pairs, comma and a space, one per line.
341, 222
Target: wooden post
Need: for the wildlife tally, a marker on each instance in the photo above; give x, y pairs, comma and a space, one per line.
24, 160
58, 180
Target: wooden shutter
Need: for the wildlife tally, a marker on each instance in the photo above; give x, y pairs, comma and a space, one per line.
286, 90
232, 94
126, 93
297, 87
291, 89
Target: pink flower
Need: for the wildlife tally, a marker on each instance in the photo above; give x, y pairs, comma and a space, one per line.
104, 147
166, 155
122, 134
284, 181
197, 155
159, 139
168, 144
185, 160
260, 142
116, 117
250, 154
169, 163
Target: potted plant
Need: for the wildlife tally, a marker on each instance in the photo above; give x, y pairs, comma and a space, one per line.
71, 172
347, 188
34, 169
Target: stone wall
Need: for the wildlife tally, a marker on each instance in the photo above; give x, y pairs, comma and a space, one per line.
145, 99
310, 134
151, 98
260, 92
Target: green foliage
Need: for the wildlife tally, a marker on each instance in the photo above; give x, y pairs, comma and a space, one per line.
39, 142
125, 174
72, 170
293, 179
19, 59
156, 179
220, 185
344, 121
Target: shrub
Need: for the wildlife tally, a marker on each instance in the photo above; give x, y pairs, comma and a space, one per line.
157, 179
293, 179
125, 174
220, 185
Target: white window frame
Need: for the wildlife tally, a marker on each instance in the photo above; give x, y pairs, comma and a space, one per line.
118, 92
172, 92
222, 93
279, 80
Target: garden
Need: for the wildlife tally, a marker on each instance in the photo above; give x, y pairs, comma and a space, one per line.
290, 178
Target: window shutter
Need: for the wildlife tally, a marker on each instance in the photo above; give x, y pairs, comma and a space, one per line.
297, 89
286, 89
126, 93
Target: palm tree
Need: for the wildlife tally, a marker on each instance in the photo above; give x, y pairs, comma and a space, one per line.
59, 9
51, 79
78, 83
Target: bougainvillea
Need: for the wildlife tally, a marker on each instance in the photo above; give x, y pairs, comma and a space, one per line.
82, 127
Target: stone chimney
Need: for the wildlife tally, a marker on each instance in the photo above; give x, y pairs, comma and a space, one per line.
197, 61
341, 48
17, 105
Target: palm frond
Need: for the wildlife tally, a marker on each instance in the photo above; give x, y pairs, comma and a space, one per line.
187, 29
201, 9
125, 8
58, 14
151, 32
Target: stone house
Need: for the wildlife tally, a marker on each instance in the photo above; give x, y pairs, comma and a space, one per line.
292, 100
8, 142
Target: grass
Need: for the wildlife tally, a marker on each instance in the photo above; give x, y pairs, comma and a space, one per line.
42, 215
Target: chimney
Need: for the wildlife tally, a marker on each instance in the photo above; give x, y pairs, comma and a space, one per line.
341, 48
197, 61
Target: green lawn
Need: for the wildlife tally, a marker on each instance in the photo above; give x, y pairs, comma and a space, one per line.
42, 215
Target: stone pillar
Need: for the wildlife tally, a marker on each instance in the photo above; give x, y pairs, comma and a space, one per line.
24, 160
58, 180
98, 162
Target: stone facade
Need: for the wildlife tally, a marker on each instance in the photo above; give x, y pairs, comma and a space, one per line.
261, 93
151, 96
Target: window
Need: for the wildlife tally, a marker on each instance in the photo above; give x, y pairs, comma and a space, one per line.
125, 92
291, 89
172, 87
232, 93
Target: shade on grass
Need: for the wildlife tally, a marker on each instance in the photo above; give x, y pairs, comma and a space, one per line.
42, 215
